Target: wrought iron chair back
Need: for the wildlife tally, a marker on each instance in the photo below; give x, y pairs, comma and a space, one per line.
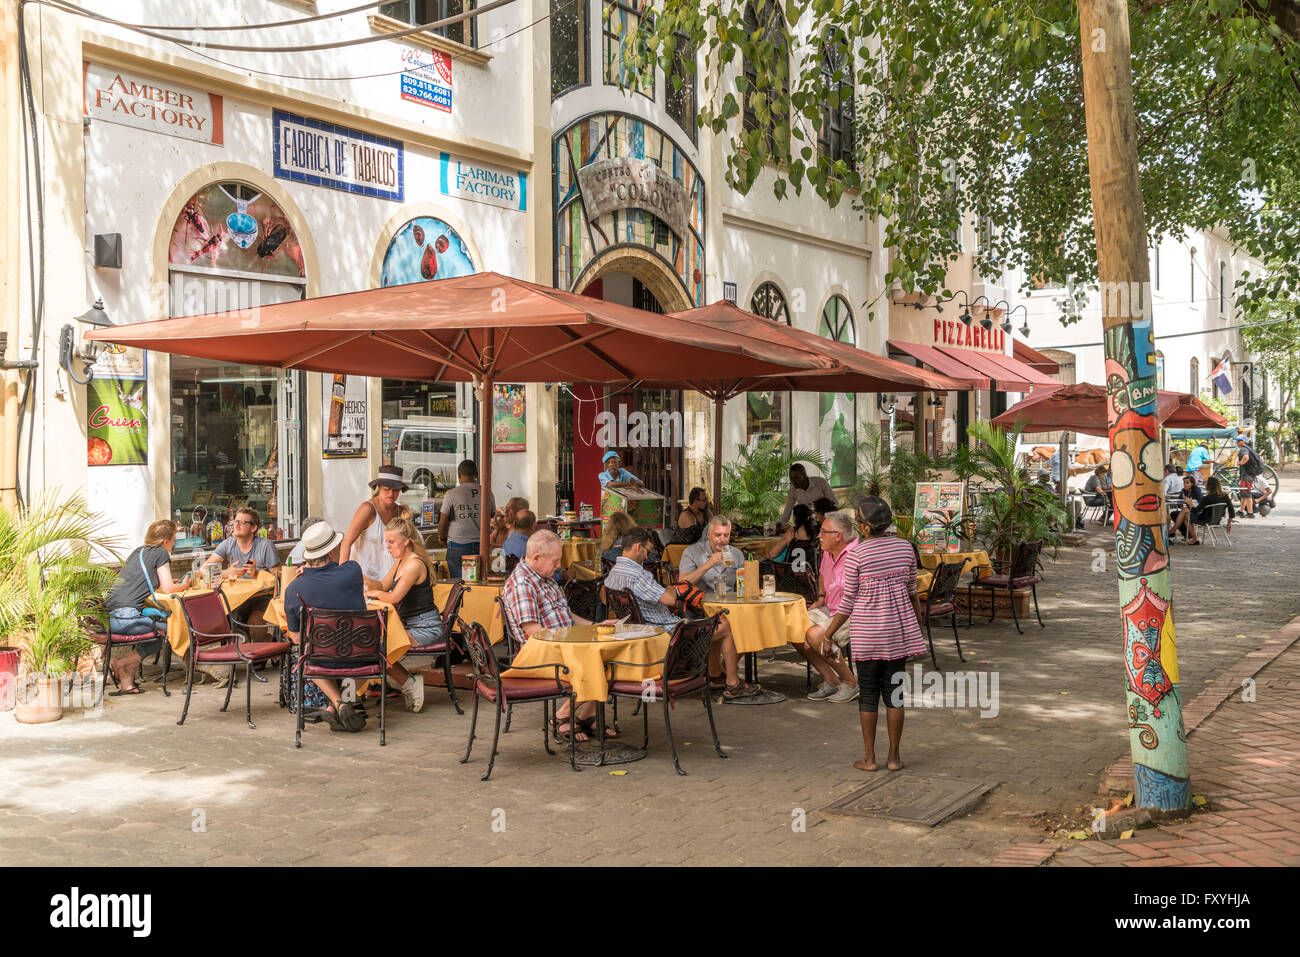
334, 637
802, 583
451, 608
208, 617
513, 641
606, 566
621, 603
584, 597
481, 658
1024, 563
688, 649
943, 585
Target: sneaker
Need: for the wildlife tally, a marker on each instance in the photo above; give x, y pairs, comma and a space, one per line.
845, 692
825, 691
413, 693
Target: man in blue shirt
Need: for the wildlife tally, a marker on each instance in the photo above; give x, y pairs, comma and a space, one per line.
615, 476
324, 583
1200, 456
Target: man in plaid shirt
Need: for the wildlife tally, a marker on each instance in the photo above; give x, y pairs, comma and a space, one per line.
533, 602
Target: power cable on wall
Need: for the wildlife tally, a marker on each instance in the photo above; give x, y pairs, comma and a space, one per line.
68, 7
1180, 335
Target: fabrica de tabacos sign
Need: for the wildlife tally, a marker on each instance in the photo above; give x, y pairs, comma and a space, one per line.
482, 183
326, 154
950, 332
624, 182
147, 103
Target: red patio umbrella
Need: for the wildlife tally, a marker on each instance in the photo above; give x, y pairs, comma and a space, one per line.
1083, 408
483, 329
856, 370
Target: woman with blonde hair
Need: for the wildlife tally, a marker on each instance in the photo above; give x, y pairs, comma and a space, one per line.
408, 587
146, 570
612, 529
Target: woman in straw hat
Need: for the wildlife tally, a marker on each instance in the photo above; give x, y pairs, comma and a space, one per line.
364, 541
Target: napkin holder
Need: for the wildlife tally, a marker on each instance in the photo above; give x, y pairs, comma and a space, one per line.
753, 583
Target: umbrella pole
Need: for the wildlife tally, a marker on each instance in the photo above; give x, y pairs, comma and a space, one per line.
484, 478
718, 403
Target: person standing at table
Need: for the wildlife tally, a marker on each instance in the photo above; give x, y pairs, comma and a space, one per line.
146, 570
364, 541
838, 684
327, 583
615, 476
703, 565
880, 603
1200, 456
804, 490
458, 525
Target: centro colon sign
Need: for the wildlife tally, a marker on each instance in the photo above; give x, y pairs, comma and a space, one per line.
624, 182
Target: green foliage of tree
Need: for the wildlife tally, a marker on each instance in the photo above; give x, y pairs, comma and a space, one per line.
976, 107
1274, 342
754, 486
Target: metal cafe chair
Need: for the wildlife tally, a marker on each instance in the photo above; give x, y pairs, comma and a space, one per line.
941, 601
447, 645
214, 640
343, 644
1020, 573
1211, 521
504, 693
685, 671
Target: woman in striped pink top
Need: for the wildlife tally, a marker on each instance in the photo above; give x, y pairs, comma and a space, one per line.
879, 601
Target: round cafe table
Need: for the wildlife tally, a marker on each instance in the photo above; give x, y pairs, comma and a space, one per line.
237, 593
586, 654
579, 550
758, 623
974, 561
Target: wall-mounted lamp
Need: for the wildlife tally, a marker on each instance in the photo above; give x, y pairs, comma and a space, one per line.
881, 404
70, 355
1006, 320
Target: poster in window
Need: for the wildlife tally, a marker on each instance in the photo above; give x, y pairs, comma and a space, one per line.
117, 420
344, 418
938, 515
508, 418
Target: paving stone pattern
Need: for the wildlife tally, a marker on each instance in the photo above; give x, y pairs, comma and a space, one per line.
133, 788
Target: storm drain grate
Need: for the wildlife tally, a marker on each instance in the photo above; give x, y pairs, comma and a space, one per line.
911, 798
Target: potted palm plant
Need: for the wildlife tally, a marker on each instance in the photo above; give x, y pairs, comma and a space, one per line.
50, 586
754, 485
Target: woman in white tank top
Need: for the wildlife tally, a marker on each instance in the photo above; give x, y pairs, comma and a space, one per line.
364, 541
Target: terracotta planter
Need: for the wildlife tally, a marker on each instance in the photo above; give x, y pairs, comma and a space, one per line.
44, 701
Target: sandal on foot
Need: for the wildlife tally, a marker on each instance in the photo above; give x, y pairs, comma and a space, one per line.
135, 690
563, 734
742, 690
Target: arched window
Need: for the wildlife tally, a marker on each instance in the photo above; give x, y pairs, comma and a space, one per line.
837, 412
835, 135
767, 414
425, 248
622, 30
1195, 388
773, 88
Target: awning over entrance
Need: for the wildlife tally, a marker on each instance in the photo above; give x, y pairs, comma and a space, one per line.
940, 362
1032, 357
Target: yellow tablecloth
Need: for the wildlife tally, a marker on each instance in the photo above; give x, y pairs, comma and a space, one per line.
758, 624
673, 554
236, 592
583, 572
397, 640
978, 559
585, 656
923, 580
579, 550
479, 605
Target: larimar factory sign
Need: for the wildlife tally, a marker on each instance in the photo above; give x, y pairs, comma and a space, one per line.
326, 154
483, 183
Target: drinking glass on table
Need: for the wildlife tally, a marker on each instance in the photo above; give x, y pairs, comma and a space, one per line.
769, 586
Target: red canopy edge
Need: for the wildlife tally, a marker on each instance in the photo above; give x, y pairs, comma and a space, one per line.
970, 377
1032, 357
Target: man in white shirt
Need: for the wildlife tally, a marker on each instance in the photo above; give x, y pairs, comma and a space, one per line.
702, 565
805, 490
458, 524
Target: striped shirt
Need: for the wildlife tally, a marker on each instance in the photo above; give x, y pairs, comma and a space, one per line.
879, 580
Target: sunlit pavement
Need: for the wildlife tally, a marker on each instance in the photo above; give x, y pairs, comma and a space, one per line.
130, 787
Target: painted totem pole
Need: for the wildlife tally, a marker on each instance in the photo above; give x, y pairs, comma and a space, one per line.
1157, 738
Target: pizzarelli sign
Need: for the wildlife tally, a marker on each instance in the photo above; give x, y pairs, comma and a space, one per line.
624, 182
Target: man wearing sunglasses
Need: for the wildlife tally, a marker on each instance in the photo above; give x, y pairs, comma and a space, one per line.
244, 551
838, 683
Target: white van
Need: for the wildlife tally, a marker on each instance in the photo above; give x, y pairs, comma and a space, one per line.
427, 450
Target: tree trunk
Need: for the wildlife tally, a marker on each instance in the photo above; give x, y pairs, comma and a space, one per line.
1157, 739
